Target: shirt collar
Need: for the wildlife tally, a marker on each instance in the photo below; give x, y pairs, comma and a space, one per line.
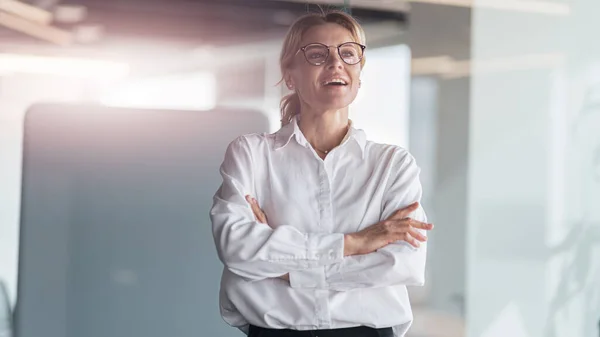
285, 134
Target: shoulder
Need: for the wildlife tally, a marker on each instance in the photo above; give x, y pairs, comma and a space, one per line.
400, 167
249, 142
242, 150
393, 155
250, 145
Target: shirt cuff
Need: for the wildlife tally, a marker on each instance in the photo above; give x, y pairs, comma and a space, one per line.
308, 278
326, 248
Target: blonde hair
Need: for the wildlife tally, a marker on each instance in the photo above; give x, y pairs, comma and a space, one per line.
290, 104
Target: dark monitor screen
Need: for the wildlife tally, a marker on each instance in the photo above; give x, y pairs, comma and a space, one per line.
115, 237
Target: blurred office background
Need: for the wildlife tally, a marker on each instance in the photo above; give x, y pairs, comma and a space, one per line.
499, 101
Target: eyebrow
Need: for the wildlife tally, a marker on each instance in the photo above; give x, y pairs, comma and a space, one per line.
331, 45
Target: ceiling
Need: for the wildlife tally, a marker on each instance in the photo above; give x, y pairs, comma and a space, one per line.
189, 23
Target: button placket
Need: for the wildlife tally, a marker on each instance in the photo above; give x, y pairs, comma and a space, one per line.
322, 295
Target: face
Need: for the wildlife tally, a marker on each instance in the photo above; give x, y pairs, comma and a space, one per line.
316, 85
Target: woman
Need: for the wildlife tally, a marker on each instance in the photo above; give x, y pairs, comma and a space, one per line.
340, 234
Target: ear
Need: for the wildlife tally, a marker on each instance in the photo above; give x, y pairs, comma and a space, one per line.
289, 83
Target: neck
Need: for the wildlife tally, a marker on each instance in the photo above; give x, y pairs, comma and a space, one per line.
324, 130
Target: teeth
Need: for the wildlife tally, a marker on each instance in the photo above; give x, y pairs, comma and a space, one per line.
335, 80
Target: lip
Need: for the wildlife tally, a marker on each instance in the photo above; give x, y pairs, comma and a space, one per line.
329, 77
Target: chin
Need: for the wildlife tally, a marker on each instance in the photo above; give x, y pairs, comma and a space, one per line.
336, 103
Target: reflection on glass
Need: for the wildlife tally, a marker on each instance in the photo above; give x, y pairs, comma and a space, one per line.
576, 297
5, 313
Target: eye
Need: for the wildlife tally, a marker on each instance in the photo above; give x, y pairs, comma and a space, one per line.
349, 50
348, 53
315, 54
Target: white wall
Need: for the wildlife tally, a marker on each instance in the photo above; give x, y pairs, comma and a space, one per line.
534, 183
381, 107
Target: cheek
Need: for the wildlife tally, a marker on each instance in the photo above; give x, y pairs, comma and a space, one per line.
308, 79
353, 93
355, 81
356, 74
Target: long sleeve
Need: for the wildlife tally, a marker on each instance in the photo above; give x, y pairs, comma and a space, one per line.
397, 263
254, 250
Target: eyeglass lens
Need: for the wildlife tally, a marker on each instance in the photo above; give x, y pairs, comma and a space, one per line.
316, 54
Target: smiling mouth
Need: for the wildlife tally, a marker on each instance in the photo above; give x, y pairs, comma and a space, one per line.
335, 82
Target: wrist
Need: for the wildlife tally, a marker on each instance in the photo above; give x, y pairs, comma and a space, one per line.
349, 244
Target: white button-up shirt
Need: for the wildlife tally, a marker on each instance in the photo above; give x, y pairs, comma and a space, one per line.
310, 203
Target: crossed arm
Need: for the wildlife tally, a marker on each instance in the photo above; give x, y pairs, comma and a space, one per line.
383, 254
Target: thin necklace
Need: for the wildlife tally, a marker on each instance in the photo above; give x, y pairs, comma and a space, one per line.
327, 151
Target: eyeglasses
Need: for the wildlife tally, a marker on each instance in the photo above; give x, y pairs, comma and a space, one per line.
317, 53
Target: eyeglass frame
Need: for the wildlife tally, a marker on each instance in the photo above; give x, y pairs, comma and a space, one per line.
303, 49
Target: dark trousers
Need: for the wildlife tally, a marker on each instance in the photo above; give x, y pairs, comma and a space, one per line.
361, 331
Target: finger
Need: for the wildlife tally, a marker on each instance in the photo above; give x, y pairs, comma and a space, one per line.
403, 225
253, 203
404, 212
262, 217
258, 212
412, 241
417, 235
256, 207
418, 224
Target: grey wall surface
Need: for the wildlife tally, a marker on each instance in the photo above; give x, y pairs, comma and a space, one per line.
439, 117
115, 236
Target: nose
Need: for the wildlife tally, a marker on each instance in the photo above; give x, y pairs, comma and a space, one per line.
334, 60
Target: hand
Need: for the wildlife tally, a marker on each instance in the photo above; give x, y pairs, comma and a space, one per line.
258, 212
262, 218
395, 228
